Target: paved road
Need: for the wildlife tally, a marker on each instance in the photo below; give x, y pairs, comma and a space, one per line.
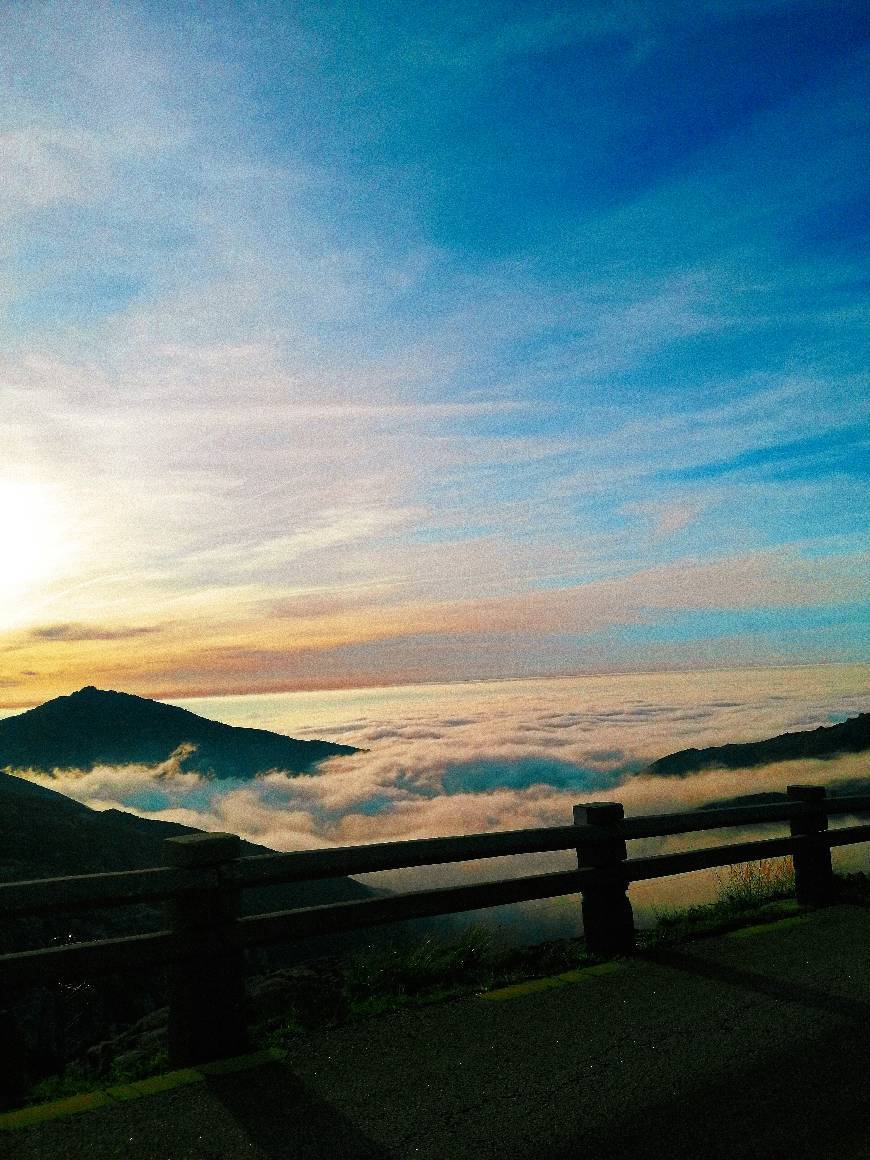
755, 1045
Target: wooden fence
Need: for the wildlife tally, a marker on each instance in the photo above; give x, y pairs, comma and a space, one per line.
203, 947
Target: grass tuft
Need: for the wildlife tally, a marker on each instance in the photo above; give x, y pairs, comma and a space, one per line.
751, 884
762, 889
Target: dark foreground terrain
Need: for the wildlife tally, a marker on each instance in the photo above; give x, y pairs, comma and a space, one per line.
754, 1044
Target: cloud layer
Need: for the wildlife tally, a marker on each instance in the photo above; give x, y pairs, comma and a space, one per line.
509, 755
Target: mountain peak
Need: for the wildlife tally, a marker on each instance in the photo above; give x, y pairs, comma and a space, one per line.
94, 726
91, 691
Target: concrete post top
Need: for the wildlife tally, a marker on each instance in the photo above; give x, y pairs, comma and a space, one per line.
806, 793
191, 850
598, 813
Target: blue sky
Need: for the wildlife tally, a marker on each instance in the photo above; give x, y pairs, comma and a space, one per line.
352, 343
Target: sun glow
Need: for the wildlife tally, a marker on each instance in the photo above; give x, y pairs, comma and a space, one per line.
35, 545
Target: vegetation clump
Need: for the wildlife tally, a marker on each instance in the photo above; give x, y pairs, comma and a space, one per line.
387, 977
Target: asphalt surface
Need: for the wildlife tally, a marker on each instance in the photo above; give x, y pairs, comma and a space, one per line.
753, 1045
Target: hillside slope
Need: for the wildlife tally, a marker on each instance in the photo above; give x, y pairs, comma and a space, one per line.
44, 834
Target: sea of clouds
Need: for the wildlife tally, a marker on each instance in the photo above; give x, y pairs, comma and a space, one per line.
490, 756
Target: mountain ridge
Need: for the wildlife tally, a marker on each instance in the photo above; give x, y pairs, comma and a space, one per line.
850, 736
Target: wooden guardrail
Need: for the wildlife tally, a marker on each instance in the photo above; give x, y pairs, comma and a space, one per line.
203, 947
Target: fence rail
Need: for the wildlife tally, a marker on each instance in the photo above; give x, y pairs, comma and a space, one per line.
94, 891
203, 947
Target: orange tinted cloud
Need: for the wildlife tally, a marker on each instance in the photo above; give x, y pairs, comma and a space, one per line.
331, 639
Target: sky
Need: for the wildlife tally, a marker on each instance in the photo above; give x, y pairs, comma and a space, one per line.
346, 345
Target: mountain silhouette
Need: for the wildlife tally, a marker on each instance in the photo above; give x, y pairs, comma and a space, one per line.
852, 736
98, 727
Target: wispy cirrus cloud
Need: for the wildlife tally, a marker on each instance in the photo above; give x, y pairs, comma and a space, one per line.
87, 632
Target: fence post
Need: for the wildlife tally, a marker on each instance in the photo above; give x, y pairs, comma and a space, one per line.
608, 921
813, 873
206, 976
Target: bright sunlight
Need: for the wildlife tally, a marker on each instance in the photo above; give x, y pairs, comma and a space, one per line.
34, 544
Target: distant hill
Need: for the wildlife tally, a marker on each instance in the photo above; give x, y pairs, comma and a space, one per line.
856, 788
98, 727
852, 736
